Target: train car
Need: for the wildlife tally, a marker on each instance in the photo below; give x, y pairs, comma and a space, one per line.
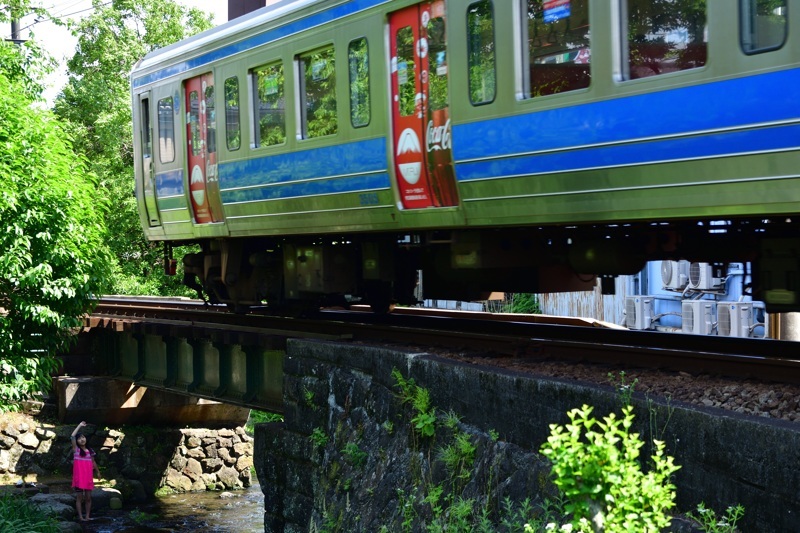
333, 150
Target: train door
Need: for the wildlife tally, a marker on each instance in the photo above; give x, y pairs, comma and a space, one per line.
201, 149
421, 133
148, 184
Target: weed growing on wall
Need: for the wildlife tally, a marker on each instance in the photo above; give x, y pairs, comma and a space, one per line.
424, 415
439, 503
623, 386
710, 523
319, 438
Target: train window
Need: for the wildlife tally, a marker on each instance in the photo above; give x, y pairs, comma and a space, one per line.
194, 122
233, 130
480, 46
211, 120
763, 25
318, 93
166, 130
147, 144
406, 71
270, 105
358, 65
437, 64
558, 54
664, 37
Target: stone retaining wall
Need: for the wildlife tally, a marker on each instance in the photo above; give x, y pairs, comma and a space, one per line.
210, 460
138, 459
348, 453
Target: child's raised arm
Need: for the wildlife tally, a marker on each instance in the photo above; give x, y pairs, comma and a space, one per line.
75, 432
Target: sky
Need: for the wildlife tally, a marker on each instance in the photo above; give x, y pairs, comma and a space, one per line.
61, 44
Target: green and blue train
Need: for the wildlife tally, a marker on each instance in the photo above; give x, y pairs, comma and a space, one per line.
332, 150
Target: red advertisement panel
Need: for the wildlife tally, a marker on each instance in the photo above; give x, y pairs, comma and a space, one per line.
421, 131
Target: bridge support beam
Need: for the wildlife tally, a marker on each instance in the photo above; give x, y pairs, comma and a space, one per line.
244, 369
116, 402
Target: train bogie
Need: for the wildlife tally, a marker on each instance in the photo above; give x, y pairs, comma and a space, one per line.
331, 151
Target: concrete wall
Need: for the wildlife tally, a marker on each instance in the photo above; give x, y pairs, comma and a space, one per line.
340, 398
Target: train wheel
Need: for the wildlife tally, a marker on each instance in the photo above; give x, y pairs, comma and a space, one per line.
379, 297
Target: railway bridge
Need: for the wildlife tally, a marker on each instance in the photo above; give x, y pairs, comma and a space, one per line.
123, 370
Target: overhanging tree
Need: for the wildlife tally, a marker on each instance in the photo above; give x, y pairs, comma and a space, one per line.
54, 258
96, 103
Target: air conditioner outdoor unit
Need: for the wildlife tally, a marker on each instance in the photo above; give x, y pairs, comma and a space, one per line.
697, 316
701, 277
675, 274
638, 312
735, 319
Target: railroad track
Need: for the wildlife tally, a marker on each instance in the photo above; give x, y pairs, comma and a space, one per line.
525, 337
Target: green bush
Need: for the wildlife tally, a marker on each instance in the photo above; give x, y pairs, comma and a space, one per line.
19, 515
601, 478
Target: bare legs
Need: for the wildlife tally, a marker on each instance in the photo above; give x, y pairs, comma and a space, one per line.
79, 504
84, 496
88, 499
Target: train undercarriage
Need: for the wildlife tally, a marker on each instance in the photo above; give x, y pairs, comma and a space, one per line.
301, 273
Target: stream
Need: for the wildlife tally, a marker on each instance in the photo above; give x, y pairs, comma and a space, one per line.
194, 511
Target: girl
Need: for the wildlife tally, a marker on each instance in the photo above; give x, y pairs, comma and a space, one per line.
82, 467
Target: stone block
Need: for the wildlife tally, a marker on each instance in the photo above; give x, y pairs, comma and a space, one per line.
229, 477
244, 463
193, 469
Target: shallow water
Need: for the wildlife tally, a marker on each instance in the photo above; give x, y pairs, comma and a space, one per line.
195, 511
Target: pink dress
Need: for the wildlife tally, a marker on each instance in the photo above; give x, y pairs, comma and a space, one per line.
82, 468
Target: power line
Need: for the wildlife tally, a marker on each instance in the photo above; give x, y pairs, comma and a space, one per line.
37, 21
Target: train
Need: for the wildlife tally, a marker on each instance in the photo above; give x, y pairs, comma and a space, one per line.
331, 152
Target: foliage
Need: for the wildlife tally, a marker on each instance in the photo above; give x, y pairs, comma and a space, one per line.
424, 418
444, 506
54, 256
318, 437
710, 523
601, 478
459, 456
355, 455
623, 387
19, 515
97, 106
523, 303
140, 517
260, 417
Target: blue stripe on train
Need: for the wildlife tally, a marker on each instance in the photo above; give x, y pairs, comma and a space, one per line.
312, 21
687, 110
719, 144
308, 188
351, 167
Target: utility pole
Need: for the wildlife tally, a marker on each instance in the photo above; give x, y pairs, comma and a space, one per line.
15, 29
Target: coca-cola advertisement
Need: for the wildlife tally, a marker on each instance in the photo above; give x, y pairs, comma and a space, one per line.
440, 159
422, 130
435, 81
